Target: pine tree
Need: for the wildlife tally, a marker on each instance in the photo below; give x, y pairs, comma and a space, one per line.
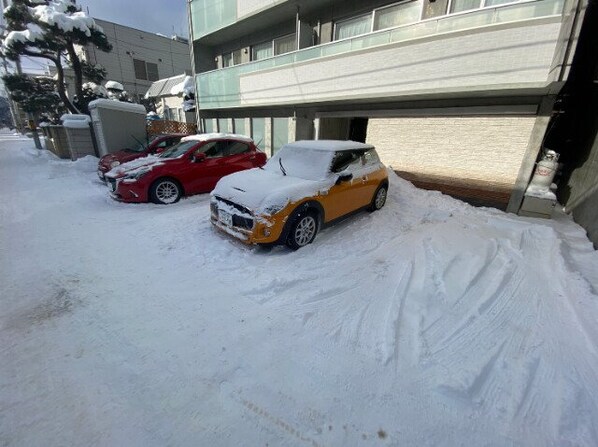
51, 30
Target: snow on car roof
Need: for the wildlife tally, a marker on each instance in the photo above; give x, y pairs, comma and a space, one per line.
213, 136
329, 145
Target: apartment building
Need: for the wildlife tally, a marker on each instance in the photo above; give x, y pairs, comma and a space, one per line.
139, 58
455, 94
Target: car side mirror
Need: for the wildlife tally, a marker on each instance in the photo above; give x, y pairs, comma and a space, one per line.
344, 178
198, 158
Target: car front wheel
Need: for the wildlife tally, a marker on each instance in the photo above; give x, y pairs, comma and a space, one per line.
165, 192
303, 231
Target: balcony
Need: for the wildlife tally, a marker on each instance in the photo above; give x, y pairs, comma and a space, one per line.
505, 46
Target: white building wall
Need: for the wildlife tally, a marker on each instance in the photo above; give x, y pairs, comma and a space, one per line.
480, 150
249, 7
486, 58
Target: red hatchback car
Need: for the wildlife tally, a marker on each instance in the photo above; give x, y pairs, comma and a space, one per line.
193, 166
155, 145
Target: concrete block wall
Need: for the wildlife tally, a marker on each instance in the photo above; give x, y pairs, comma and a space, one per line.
80, 142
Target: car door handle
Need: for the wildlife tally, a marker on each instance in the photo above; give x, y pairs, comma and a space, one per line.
364, 179
252, 157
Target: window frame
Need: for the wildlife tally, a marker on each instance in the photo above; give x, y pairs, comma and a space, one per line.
393, 5
348, 19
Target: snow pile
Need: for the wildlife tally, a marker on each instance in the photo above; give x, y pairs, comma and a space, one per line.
427, 323
31, 34
113, 85
55, 14
117, 105
75, 121
187, 90
186, 87
96, 89
213, 136
133, 165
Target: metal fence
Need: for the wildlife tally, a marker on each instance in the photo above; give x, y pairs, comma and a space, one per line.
162, 126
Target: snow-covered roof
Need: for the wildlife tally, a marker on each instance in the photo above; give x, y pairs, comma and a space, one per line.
329, 145
214, 136
162, 87
117, 105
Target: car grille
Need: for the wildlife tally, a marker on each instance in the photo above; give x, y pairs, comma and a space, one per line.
243, 222
242, 209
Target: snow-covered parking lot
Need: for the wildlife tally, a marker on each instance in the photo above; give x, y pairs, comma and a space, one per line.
429, 323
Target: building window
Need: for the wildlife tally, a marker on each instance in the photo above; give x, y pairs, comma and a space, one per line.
152, 71
146, 71
232, 58
223, 125
258, 132
464, 5
397, 15
261, 51
208, 125
285, 44
353, 27
280, 133
239, 126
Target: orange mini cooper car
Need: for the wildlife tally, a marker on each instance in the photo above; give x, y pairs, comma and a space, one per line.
304, 186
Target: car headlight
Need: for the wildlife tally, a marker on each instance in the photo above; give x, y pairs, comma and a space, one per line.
136, 175
114, 164
273, 209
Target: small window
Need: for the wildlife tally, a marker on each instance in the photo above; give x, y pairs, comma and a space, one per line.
346, 160
213, 149
152, 72
464, 5
285, 44
371, 158
397, 15
140, 70
236, 148
261, 51
353, 27
227, 60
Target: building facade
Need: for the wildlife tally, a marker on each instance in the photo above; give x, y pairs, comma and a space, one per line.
455, 94
138, 58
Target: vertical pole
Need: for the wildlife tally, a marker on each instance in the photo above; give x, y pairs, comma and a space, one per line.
193, 71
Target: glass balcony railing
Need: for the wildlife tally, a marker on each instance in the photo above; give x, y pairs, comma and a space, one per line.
208, 16
221, 88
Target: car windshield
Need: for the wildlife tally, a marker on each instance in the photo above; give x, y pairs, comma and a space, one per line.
308, 164
178, 149
142, 146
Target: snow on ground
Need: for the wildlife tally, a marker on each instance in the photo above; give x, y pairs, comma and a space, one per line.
428, 323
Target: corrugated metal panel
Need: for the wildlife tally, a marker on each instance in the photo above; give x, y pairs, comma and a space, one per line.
164, 86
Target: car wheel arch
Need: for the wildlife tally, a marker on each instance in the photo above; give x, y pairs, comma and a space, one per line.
309, 206
169, 177
153, 185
